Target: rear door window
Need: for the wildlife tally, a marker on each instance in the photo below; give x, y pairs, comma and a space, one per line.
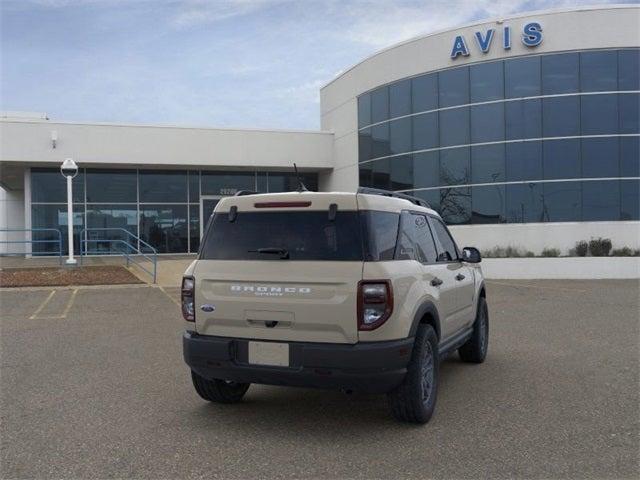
308, 235
380, 232
447, 247
415, 241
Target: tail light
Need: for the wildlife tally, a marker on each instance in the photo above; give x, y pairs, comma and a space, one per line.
375, 303
188, 299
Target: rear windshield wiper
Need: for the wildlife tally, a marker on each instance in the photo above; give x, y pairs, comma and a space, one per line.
283, 252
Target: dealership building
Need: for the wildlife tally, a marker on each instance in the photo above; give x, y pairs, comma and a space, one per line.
520, 131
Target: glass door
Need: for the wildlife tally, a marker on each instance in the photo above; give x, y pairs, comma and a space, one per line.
207, 204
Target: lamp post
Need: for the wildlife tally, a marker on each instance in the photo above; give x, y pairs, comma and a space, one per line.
69, 169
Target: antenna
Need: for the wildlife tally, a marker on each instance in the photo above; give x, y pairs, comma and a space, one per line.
301, 186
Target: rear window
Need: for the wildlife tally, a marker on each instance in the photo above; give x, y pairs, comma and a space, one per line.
302, 235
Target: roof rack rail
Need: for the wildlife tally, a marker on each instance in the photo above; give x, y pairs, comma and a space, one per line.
388, 193
242, 193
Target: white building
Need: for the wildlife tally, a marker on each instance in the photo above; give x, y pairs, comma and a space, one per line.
522, 131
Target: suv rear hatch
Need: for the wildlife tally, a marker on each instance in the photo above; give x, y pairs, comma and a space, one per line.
281, 267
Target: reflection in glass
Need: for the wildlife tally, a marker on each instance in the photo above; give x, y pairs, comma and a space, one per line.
365, 173
487, 81
629, 113
365, 145
424, 92
400, 135
599, 114
630, 156
364, 110
425, 131
165, 227
523, 119
629, 69
600, 200
49, 186
599, 71
488, 204
522, 77
432, 197
487, 123
453, 87
380, 104
454, 127
455, 205
288, 182
380, 140
600, 157
402, 172
194, 227
561, 158
561, 202
163, 186
114, 218
381, 173
523, 161
426, 169
487, 164
630, 200
400, 98
560, 73
194, 186
561, 116
455, 167
112, 186
54, 216
524, 203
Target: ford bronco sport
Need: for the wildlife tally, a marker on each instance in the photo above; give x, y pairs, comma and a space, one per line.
358, 291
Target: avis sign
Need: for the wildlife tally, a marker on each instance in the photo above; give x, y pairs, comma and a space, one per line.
531, 37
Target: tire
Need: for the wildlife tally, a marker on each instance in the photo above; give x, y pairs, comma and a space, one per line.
219, 391
415, 399
475, 350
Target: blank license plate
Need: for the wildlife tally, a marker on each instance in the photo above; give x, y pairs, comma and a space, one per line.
269, 353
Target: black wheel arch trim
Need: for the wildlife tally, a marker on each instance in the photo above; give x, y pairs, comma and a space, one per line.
426, 308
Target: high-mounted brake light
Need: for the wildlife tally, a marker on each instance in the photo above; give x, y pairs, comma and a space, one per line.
375, 303
281, 204
187, 299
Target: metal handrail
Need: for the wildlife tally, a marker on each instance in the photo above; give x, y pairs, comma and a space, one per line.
32, 241
137, 251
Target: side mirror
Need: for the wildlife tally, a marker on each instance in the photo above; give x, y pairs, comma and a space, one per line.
471, 255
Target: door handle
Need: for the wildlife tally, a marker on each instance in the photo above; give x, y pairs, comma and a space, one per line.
460, 277
436, 282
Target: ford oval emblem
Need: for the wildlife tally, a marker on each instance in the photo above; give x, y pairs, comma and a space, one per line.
207, 308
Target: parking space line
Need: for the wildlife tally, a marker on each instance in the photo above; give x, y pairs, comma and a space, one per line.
59, 316
170, 297
42, 305
528, 285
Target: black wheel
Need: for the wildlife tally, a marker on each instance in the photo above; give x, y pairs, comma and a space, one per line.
219, 391
415, 399
475, 350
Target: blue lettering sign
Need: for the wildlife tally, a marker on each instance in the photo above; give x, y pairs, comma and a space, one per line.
459, 47
532, 34
485, 43
506, 38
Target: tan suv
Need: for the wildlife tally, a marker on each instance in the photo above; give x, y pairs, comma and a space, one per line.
358, 291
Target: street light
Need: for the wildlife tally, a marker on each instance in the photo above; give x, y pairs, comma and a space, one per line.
69, 169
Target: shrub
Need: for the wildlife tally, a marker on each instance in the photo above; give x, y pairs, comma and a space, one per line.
625, 252
550, 252
581, 248
506, 252
600, 247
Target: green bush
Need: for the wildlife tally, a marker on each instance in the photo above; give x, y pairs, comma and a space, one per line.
506, 252
582, 248
625, 252
600, 247
550, 252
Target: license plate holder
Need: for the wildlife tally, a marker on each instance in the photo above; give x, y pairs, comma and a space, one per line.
269, 353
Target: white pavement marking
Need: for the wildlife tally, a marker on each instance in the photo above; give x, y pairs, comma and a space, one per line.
170, 297
526, 285
62, 315
42, 305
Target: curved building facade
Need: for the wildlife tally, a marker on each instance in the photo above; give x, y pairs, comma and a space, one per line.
527, 120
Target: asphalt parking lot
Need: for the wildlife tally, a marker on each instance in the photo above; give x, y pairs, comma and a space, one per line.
94, 386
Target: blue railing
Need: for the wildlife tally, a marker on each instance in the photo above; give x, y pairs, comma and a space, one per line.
57, 241
132, 247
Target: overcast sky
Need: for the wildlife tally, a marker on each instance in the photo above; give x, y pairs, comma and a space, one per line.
227, 63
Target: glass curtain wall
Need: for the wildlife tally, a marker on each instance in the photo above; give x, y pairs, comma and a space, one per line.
541, 138
161, 207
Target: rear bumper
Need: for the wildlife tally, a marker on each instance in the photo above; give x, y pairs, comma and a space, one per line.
373, 367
